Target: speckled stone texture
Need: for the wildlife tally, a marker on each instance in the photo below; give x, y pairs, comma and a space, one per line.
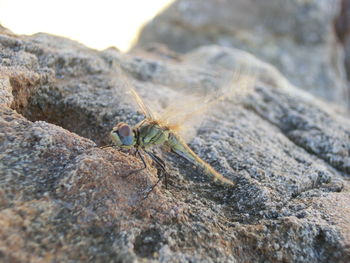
64, 199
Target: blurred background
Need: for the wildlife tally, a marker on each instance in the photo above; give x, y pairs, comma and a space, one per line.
308, 41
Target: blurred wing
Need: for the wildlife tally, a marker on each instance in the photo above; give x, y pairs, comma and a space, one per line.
185, 111
149, 114
142, 106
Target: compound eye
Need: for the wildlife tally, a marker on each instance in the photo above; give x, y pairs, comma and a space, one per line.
124, 134
124, 130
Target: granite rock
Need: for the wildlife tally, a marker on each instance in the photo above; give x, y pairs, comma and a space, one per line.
64, 199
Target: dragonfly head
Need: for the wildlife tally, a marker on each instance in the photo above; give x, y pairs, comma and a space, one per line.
122, 135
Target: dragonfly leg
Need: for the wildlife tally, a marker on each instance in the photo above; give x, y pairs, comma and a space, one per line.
164, 174
156, 159
141, 157
137, 152
161, 164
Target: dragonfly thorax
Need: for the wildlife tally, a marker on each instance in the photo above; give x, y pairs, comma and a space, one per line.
150, 134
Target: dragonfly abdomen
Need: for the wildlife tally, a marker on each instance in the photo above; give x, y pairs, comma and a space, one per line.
181, 148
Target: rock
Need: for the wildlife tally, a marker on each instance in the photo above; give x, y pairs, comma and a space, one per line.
65, 199
302, 125
297, 37
342, 28
5, 30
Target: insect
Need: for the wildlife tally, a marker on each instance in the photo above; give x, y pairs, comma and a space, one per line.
156, 130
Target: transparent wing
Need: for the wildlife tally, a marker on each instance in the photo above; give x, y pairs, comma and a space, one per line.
146, 110
185, 111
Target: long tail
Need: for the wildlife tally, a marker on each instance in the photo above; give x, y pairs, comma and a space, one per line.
181, 148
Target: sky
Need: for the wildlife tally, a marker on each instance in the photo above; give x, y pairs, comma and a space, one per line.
97, 24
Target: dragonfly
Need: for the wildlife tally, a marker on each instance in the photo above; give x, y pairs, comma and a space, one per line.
158, 129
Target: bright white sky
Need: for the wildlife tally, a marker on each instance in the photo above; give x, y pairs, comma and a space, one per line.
97, 24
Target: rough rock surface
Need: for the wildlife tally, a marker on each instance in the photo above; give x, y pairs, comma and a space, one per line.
297, 37
63, 199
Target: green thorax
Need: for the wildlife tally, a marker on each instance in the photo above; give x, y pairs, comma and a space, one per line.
150, 134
